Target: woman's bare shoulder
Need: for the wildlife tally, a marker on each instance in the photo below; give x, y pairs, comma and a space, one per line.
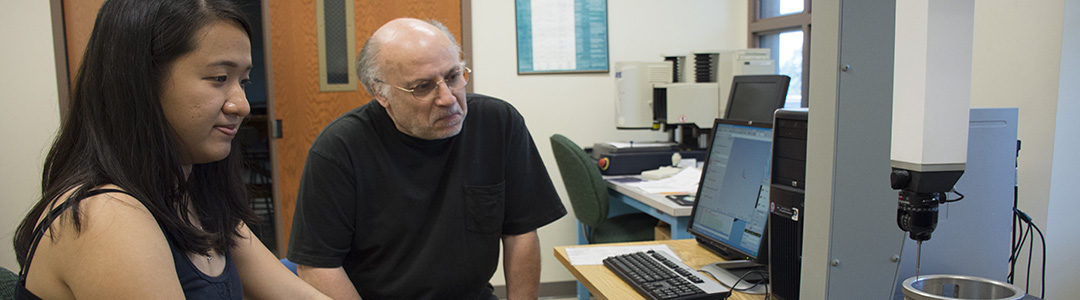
118, 250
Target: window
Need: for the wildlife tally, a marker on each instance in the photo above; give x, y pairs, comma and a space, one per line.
337, 44
787, 51
776, 8
783, 26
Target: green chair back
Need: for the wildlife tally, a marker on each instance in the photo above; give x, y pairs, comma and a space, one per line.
584, 184
8, 280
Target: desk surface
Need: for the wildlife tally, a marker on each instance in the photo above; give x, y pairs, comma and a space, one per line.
657, 201
604, 284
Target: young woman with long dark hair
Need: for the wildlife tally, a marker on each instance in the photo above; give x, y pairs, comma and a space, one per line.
141, 193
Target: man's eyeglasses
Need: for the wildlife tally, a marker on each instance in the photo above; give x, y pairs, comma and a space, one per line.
426, 91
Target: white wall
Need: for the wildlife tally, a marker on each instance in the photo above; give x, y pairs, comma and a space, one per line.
30, 114
580, 105
1015, 63
1061, 220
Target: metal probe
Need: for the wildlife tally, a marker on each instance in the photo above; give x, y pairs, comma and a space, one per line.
918, 257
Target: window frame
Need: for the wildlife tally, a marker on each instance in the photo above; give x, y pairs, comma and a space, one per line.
758, 27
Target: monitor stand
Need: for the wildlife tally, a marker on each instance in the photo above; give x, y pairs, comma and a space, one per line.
729, 272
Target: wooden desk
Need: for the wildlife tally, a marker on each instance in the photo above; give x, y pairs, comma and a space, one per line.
603, 284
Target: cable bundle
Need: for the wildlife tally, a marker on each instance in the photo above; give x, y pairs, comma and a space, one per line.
1021, 218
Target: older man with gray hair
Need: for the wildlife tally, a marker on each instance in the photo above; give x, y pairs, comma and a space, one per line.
407, 198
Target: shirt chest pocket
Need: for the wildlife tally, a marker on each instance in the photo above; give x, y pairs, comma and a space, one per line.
484, 208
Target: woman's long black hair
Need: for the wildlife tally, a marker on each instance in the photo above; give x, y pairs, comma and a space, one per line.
116, 132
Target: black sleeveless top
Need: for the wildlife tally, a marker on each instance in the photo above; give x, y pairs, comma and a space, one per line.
196, 285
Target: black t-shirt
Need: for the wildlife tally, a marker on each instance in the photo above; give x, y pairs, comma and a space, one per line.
420, 219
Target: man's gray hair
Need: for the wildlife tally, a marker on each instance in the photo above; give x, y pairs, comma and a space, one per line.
368, 69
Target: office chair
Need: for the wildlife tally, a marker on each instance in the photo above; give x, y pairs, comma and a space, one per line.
589, 197
8, 280
290, 265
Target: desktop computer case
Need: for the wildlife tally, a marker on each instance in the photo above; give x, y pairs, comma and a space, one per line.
786, 199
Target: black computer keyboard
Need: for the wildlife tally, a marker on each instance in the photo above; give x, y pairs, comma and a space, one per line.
658, 276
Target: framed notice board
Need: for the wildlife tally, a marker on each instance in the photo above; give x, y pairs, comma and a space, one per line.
562, 36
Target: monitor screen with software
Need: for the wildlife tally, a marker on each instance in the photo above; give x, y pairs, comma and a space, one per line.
731, 206
756, 97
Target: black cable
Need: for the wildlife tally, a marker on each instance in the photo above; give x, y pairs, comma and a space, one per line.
953, 200
1024, 218
1019, 248
762, 276
1015, 249
1043, 239
1012, 251
1031, 248
767, 293
1015, 255
1013, 245
1015, 220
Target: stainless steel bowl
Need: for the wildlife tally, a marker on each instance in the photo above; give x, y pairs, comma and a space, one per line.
944, 287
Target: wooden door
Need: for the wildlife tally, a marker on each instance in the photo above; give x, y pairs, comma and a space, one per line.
77, 23
295, 98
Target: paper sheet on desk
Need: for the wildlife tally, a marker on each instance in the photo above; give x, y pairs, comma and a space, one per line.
595, 255
684, 182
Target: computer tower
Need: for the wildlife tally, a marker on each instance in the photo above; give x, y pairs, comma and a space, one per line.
786, 202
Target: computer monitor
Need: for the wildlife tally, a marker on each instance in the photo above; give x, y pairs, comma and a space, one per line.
756, 97
731, 207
